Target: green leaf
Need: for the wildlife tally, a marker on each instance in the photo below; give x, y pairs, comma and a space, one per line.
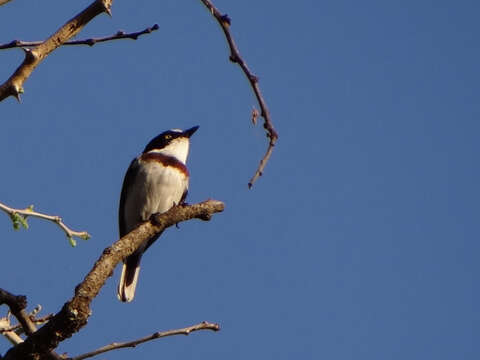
16, 224
23, 221
72, 241
18, 221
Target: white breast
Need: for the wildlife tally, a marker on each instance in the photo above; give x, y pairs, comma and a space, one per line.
157, 188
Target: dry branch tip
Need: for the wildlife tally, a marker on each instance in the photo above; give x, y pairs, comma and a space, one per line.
224, 21
19, 219
75, 313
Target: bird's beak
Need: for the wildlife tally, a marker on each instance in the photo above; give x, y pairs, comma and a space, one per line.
190, 131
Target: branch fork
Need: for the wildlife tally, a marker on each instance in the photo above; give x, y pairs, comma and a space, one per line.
75, 313
14, 85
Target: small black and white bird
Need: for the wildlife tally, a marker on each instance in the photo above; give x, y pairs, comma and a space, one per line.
156, 181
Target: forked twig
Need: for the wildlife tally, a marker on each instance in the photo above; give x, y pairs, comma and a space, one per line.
185, 331
75, 312
17, 305
225, 22
36, 321
33, 57
19, 218
9, 334
92, 41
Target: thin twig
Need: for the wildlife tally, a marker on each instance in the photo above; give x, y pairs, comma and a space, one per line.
36, 321
33, 57
224, 21
10, 335
185, 331
92, 41
75, 313
21, 216
17, 305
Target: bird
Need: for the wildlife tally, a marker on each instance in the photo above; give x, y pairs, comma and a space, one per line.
155, 181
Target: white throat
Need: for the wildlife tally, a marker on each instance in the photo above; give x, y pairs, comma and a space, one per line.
178, 149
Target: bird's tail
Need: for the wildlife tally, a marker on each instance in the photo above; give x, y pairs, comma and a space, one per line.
129, 278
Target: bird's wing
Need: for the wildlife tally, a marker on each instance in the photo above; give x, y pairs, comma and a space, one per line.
127, 183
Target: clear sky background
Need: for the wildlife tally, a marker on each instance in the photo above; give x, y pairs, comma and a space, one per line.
361, 241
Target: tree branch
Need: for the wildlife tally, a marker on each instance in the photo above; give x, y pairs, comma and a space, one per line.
92, 41
5, 330
224, 21
3, 2
17, 305
19, 218
75, 313
14, 85
185, 331
36, 321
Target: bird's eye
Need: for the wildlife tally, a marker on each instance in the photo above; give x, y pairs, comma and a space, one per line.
168, 137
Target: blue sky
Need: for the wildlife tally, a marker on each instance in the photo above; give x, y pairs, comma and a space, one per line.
359, 242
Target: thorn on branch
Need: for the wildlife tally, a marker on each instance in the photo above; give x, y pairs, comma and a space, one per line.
255, 115
16, 91
107, 6
226, 20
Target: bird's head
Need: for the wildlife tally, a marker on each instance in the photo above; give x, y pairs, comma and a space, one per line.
173, 142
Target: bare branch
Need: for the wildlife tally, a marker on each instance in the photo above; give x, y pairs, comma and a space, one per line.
17, 305
14, 85
3, 2
19, 218
36, 321
224, 21
185, 331
75, 313
92, 41
11, 336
